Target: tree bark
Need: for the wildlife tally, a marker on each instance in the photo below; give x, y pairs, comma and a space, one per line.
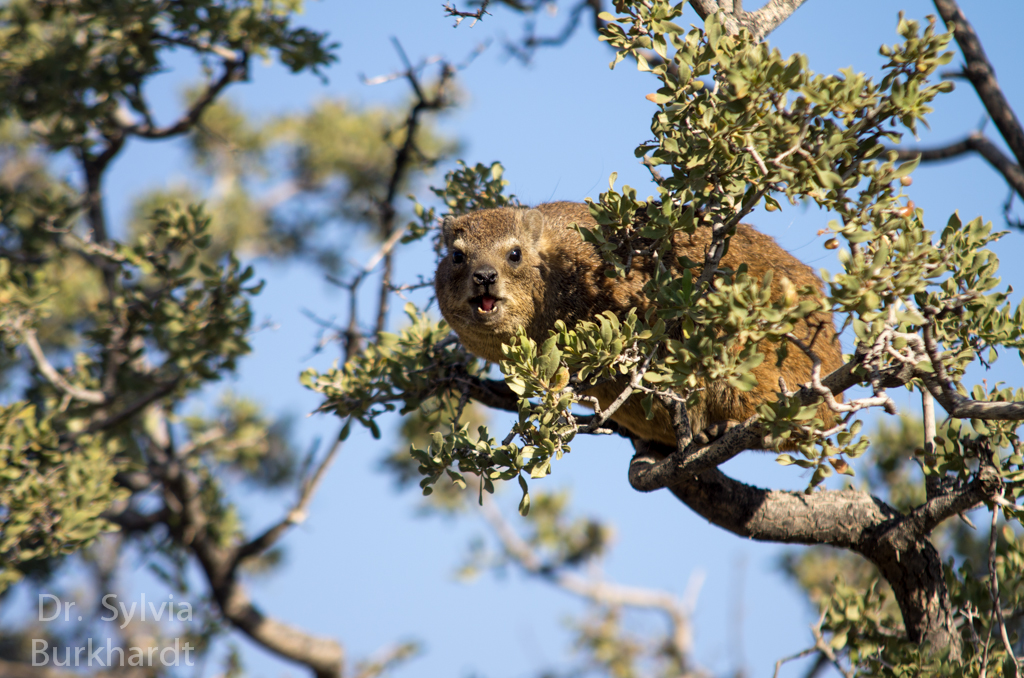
760, 22
896, 543
980, 73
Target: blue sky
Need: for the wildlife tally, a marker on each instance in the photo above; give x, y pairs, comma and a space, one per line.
365, 568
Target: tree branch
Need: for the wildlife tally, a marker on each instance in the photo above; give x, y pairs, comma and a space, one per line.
847, 519
694, 459
600, 592
531, 42
134, 408
296, 516
235, 69
130, 520
324, 656
386, 660
405, 157
825, 652
959, 407
646, 475
997, 608
53, 376
979, 71
759, 23
225, 53
452, 10
493, 393
978, 143
987, 484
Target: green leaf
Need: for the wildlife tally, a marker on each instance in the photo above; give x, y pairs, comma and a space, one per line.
906, 168
524, 503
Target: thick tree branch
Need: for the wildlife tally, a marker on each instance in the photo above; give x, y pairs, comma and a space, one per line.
846, 519
986, 485
698, 457
324, 656
93, 167
694, 459
981, 74
897, 544
759, 23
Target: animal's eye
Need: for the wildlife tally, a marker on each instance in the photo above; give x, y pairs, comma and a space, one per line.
458, 257
515, 255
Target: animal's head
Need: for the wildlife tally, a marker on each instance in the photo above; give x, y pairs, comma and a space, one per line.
490, 275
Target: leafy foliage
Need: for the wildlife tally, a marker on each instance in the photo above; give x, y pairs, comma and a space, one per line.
104, 339
52, 498
739, 125
769, 129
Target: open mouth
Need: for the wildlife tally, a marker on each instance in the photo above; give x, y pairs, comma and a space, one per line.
484, 303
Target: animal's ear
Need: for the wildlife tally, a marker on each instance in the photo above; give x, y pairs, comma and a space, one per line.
533, 224
448, 231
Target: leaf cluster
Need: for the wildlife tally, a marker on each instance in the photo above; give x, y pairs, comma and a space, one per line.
70, 67
52, 497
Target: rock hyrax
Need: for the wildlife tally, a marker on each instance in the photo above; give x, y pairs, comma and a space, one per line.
508, 267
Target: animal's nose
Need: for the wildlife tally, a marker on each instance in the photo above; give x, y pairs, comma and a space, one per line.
485, 275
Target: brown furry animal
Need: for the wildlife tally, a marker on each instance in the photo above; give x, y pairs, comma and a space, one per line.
516, 267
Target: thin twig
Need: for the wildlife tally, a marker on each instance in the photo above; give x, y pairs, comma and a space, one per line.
235, 70
386, 660
298, 513
997, 609
635, 378
793, 657
819, 646
603, 593
55, 377
452, 10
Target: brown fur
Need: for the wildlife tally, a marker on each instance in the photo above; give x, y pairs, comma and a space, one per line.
559, 276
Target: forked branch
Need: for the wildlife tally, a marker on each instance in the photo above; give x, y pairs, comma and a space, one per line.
980, 73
